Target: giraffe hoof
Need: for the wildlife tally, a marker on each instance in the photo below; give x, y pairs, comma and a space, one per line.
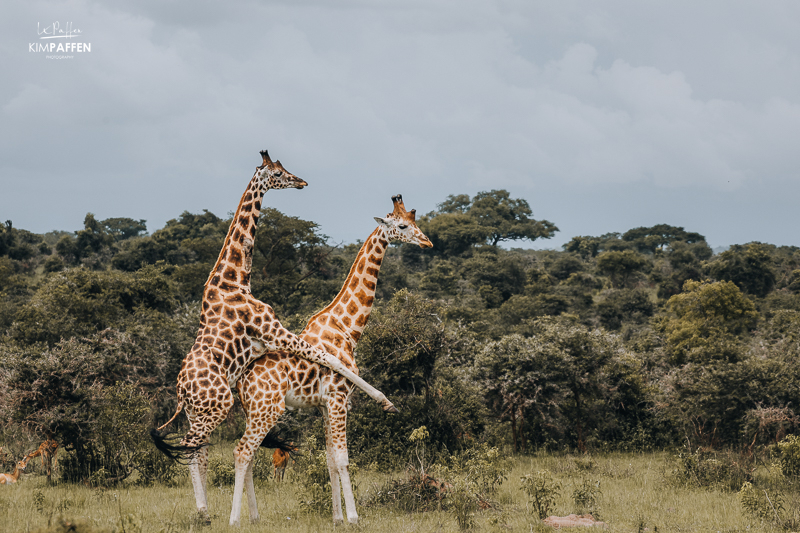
390, 408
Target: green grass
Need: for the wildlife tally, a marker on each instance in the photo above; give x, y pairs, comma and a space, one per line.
635, 496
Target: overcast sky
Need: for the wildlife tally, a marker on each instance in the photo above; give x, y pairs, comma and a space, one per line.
603, 115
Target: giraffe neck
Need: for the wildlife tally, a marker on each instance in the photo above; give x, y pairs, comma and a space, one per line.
349, 311
232, 269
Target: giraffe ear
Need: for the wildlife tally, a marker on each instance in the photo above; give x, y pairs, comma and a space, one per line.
381, 221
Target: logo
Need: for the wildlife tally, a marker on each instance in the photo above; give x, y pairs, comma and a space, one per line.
51, 44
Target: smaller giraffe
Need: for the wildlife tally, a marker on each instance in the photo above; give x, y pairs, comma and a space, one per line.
7, 479
278, 379
47, 450
280, 459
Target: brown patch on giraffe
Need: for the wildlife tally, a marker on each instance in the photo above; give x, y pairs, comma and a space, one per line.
314, 329
346, 321
230, 274
352, 308
364, 298
214, 280
229, 313
372, 271
360, 267
361, 321
338, 310
234, 299
236, 257
369, 284
211, 295
244, 314
353, 283
377, 260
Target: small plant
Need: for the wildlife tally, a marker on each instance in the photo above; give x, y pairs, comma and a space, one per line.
543, 490
38, 500
221, 472
760, 504
790, 456
586, 494
463, 504
584, 463
314, 477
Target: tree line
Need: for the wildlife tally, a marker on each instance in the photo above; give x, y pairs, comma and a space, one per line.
627, 340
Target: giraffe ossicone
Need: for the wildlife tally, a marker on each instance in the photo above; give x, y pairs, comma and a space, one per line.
235, 329
280, 379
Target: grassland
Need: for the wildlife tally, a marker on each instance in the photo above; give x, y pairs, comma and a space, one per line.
635, 496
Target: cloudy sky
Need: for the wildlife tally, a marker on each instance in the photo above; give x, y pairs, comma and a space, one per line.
603, 115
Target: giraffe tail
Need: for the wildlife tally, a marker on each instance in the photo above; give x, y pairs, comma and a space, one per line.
179, 453
275, 439
177, 412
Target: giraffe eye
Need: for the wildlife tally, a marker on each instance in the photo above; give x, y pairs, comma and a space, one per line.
278, 174
402, 226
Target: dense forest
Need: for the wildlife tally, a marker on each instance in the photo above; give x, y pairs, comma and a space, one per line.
635, 340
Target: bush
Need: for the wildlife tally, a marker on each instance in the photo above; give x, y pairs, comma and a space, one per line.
707, 469
790, 456
221, 472
760, 504
585, 496
543, 490
314, 477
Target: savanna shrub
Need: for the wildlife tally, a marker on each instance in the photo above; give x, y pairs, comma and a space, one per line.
543, 490
221, 471
586, 494
789, 449
314, 477
712, 470
760, 504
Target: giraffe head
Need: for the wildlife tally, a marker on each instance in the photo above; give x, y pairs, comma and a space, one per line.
274, 176
400, 225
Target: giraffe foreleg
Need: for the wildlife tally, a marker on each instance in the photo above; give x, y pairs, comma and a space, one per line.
279, 338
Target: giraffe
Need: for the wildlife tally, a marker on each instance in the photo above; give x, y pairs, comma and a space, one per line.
235, 329
279, 379
7, 479
47, 450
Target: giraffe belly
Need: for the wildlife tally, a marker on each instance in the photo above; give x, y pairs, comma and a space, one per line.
301, 401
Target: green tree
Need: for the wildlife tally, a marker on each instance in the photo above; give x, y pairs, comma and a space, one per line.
561, 382
705, 322
620, 265
124, 228
292, 261
657, 238
748, 266
489, 218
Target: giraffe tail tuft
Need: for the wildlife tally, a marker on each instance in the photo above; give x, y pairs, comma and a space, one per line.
276, 439
180, 453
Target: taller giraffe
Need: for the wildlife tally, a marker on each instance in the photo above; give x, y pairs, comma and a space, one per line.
235, 329
279, 379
